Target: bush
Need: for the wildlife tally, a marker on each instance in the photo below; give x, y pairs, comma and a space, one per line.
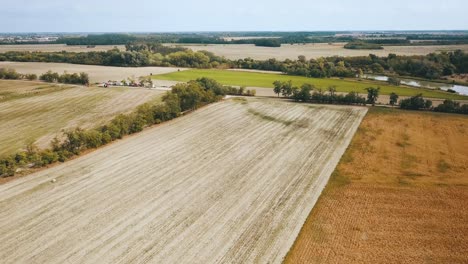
9, 74
31, 77
415, 103
7, 167
48, 157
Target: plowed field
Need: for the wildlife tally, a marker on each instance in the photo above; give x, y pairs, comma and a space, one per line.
232, 183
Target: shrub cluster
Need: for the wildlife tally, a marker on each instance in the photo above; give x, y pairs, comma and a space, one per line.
362, 45
450, 106
240, 91
71, 78
415, 103
182, 97
11, 74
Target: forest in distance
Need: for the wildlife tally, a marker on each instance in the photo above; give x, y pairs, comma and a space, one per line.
431, 66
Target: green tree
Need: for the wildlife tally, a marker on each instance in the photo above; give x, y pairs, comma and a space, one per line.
372, 95
287, 88
277, 87
393, 98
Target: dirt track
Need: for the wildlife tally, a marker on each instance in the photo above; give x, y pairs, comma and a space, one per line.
230, 183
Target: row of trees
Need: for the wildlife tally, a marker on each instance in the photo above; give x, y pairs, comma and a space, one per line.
71, 78
362, 45
182, 98
116, 57
432, 66
417, 102
281, 37
309, 93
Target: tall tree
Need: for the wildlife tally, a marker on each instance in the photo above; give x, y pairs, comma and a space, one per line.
372, 95
277, 87
287, 88
393, 99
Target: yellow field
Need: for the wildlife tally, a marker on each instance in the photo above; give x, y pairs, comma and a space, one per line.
398, 195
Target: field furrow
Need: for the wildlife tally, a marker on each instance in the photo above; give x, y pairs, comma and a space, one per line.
230, 183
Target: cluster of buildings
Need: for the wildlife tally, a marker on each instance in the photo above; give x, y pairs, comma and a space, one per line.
22, 38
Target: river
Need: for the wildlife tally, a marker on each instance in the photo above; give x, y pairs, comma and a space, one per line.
425, 84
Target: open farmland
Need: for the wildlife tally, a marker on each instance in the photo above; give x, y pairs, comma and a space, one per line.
96, 73
57, 48
232, 182
398, 195
258, 79
37, 112
313, 51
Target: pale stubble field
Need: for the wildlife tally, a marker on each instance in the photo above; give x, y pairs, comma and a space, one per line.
232, 182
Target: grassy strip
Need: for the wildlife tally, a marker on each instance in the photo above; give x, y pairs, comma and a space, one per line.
254, 79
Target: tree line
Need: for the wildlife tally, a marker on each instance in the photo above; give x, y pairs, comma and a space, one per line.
431, 66
116, 57
311, 94
49, 76
71, 78
280, 37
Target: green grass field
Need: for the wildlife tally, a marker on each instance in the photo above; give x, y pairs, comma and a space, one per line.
254, 79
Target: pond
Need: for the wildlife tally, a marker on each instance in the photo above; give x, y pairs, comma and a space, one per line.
424, 84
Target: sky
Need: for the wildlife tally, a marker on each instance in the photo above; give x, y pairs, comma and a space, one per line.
232, 15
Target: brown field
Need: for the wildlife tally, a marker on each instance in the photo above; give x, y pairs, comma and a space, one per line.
240, 51
96, 73
57, 48
37, 112
230, 183
398, 195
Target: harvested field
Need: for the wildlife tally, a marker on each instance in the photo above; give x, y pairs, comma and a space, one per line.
57, 48
398, 195
37, 112
13, 89
96, 73
232, 182
313, 51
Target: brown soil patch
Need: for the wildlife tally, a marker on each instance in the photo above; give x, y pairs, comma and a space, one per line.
398, 195
371, 223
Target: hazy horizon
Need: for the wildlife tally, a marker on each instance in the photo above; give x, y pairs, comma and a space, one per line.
214, 16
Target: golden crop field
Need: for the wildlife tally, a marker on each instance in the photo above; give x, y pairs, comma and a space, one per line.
398, 195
